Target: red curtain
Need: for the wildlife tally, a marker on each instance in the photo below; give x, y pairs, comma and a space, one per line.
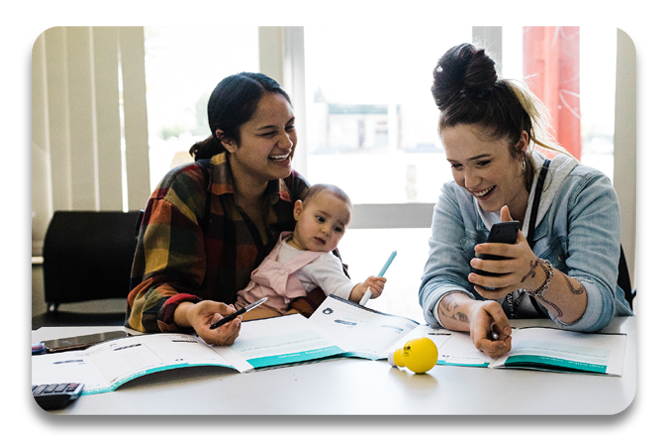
552, 71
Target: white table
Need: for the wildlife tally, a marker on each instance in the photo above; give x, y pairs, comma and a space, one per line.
357, 386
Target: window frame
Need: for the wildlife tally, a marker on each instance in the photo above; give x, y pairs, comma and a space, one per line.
290, 68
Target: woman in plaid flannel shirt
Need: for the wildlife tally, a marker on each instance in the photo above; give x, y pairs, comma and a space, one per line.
209, 224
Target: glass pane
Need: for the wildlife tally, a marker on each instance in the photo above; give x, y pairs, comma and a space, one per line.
598, 53
598, 60
183, 66
371, 120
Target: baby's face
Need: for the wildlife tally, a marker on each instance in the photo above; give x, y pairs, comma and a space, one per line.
321, 223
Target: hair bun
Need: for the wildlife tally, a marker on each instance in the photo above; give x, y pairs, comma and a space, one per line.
463, 69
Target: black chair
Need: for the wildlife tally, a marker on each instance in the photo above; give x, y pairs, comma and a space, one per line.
624, 280
87, 257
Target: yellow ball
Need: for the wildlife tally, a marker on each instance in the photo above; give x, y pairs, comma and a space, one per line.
419, 355
397, 359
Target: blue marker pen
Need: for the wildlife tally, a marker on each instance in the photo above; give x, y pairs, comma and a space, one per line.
367, 294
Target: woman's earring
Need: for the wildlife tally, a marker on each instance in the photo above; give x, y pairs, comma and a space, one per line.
524, 164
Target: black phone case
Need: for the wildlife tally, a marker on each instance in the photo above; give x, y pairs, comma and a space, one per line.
504, 232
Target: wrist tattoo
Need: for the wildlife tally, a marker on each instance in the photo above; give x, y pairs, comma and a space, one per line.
532, 271
449, 305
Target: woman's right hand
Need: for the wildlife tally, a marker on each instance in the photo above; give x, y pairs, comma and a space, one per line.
486, 317
201, 315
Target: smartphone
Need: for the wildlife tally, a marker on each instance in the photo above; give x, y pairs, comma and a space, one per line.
504, 232
82, 342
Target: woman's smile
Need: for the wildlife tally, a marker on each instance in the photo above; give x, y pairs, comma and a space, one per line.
483, 194
280, 158
282, 161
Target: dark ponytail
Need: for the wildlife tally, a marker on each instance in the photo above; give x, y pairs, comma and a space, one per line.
232, 103
462, 73
468, 90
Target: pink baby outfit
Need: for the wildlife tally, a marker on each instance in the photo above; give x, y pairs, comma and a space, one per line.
275, 280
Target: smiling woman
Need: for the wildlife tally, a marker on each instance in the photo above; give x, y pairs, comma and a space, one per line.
264, 146
208, 224
563, 263
486, 168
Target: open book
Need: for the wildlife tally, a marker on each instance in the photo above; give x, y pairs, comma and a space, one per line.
553, 349
338, 329
538, 348
372, 335
262, 343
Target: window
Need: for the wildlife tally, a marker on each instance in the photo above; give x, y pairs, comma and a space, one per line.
598, 57
597, 61
372, 129
183, 66
370, 112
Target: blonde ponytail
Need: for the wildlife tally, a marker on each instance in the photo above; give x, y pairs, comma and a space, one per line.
539, 115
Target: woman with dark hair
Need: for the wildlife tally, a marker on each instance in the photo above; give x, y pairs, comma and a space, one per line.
564, 263
209, 224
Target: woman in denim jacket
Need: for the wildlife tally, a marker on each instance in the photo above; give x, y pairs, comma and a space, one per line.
489, 128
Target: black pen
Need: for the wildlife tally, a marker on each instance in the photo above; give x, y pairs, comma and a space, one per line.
237, 313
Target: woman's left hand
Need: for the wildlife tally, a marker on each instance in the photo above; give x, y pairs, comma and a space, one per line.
520, 269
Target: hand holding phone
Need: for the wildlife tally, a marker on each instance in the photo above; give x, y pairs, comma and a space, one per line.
503, 232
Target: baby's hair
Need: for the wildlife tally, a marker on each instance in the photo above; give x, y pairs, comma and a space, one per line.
334, 190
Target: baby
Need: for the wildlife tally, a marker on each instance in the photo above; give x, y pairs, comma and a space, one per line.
303, 260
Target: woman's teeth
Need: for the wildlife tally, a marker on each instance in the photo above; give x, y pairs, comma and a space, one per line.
482, 193
279, 158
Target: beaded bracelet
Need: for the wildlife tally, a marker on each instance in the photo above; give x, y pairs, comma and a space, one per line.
549, 273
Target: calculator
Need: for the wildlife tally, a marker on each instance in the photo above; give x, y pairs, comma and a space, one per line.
56, 395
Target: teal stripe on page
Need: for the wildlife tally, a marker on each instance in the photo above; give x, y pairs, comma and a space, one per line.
294, 357
550, 362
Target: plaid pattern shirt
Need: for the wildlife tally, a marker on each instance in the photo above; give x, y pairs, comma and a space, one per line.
195, 243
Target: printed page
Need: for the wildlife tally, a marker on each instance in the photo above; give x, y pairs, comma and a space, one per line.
106, 366
364, 332
279, 341
151, 353
67, 367
565, 351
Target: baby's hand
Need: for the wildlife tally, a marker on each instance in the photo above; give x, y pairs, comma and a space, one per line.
375, 285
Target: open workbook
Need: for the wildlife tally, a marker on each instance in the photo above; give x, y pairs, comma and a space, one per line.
538, 348
338, 329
